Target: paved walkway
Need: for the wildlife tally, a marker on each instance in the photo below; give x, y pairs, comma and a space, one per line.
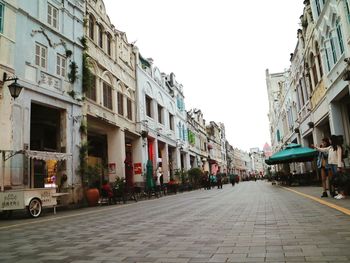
317, 192
251, 222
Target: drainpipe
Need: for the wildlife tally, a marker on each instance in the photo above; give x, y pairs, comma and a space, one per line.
3, 171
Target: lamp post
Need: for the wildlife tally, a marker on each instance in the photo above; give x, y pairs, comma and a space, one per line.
15, 90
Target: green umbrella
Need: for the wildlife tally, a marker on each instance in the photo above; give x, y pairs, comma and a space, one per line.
292, 153
149, 174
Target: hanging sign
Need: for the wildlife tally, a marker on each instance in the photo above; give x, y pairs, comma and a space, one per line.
137, 168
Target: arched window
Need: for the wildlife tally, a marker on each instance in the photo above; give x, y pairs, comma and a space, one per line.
109, 44
91, 92
313, 69
100, 36
340, 37
319, 62
91, 26
334, 52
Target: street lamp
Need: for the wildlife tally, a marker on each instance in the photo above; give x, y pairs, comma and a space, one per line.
15, 90
14, 87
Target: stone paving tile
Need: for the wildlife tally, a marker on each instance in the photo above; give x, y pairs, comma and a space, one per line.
264, 223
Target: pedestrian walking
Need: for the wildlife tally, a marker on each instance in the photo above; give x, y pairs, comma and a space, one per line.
232, 179
158, 179
219, 180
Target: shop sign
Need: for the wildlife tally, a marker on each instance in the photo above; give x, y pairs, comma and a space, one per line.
45, 197
137, 168
12, 200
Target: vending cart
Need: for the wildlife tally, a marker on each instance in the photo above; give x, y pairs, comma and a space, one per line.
32, 200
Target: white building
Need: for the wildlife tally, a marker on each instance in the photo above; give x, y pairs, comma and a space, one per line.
156, 118
45, 54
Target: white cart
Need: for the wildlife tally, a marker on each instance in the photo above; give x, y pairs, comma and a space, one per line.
33, 200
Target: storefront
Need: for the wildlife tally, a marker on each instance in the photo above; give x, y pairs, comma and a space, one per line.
47, 169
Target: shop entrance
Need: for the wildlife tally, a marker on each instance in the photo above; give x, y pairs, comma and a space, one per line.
128, 164
171, 152
46, 130
98, 152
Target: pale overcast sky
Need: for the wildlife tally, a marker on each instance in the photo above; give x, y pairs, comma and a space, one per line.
219, 50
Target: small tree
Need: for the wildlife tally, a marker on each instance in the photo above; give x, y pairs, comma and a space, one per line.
194, 176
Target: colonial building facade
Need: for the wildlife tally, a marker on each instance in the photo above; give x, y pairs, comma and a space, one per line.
311, 100
45, 54
86, 89
156, 118
197, 139
110, 100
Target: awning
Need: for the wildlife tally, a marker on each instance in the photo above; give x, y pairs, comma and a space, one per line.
39, 155
292, 153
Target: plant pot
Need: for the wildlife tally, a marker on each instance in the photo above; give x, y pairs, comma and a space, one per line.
92, 196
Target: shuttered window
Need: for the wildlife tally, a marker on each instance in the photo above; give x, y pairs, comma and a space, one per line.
40, 55
91, 93
61, 66
120, 104
107, 96
148, 106
129, 108
52, 16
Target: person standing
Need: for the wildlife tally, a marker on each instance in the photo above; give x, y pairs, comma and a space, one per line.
334, 162
322, 165
219, 180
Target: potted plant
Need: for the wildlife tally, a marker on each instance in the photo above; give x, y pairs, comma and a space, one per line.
194, 176
92, 177
172, 185
119, 189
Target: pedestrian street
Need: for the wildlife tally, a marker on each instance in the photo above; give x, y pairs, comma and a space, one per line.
250, 222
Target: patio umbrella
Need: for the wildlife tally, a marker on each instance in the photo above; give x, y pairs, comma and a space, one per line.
149, 175
292, 153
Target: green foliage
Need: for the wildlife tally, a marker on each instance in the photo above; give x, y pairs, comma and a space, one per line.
73, 74
83, 128
83, 42
69, 53
92, 176
87, 74
195, 176
183, 177
72, 93
83, 150
191, 137
119, 185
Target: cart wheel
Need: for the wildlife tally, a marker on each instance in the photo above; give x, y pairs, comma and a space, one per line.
34, 207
